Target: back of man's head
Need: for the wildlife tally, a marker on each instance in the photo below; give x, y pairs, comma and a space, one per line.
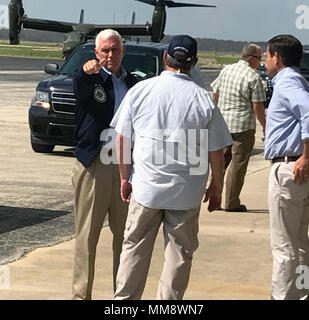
182, 53
288, 48
250, 50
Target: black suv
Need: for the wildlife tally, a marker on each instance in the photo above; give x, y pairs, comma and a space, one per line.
51, 114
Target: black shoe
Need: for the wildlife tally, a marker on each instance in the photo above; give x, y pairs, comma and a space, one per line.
241, 208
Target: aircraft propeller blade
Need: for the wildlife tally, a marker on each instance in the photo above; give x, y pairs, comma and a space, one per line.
81, 18
133, 18
173, 4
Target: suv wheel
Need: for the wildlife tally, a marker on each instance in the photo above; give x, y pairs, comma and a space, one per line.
41, 148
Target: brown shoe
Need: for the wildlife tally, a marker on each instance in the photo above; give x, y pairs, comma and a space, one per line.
241, 208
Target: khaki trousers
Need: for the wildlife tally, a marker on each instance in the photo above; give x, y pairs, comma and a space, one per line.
289, 218
236, 158
97, 192
180, 229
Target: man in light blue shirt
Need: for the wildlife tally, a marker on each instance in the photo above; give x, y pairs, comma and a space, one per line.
175, 124
287, 146
120, 86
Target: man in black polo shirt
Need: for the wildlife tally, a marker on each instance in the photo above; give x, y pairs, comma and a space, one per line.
99, 86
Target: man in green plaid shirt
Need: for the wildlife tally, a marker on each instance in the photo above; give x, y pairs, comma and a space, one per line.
240, 95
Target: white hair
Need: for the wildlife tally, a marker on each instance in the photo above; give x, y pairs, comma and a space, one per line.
107, 33
249, 50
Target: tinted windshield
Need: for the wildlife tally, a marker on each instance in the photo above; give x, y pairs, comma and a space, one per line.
304, 62
140, 61
77, 59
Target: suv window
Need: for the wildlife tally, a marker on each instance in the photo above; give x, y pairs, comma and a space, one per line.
140, 61
77, 59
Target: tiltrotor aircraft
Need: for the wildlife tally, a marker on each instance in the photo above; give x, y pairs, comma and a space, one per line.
79, 33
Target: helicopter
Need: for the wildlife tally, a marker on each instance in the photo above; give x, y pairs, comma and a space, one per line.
79, 33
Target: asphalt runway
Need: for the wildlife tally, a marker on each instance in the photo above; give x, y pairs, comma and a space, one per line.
24, 64
29, 70
35, 189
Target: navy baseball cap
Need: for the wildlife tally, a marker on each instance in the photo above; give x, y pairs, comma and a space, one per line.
183, 43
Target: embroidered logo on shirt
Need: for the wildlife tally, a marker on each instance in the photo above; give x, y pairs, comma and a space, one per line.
99, 94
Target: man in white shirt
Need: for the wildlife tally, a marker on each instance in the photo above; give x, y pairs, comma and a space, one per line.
176, 125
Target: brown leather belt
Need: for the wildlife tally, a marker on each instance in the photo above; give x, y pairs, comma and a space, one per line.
284, 159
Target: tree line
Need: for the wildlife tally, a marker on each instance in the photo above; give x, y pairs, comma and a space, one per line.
204, 44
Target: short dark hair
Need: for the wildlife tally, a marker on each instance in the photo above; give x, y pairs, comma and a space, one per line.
288, 48
179, 62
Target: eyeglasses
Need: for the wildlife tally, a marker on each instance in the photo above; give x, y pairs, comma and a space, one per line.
258, 57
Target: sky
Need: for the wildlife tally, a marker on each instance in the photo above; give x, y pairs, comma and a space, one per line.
239, 20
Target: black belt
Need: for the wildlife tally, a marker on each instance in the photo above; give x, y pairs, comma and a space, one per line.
284, 159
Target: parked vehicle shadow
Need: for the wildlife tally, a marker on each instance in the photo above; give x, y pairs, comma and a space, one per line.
12, 218
25, 229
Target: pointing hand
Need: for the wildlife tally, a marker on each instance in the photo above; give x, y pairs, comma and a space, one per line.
92, 66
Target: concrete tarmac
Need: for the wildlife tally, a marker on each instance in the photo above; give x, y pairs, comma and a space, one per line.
233, 260
35, 189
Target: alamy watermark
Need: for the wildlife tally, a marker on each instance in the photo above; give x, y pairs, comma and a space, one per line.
4, 277
183, 147
302, 281
302, 21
